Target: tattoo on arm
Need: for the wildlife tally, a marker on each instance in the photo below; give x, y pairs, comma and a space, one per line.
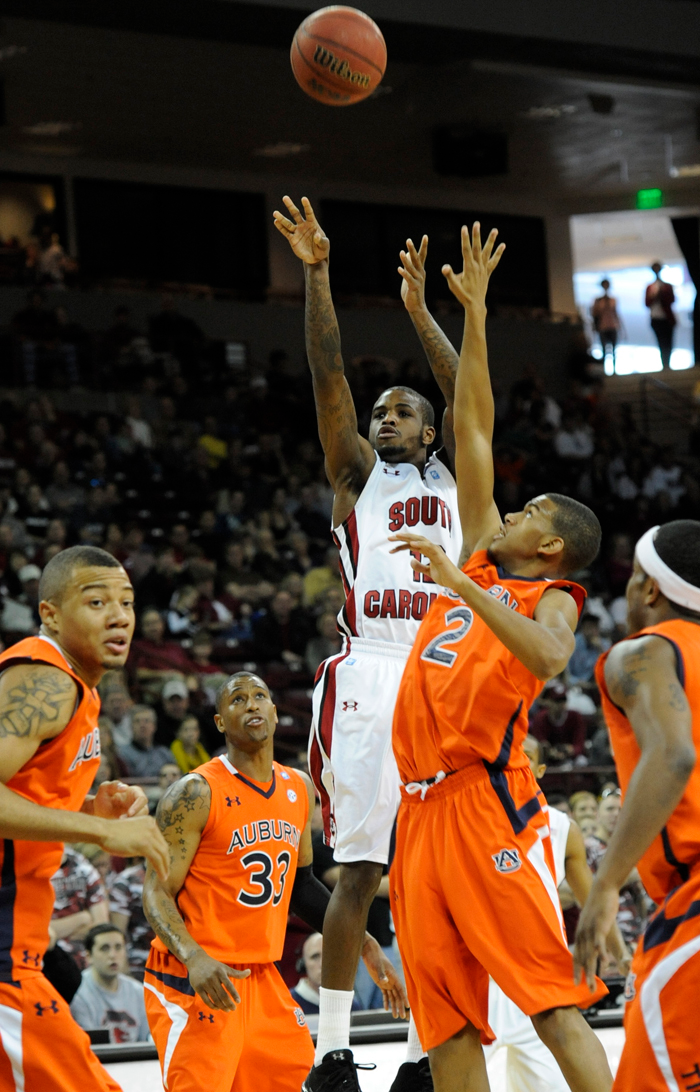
442, 356
676, 697
35, 702
322, 332
192, 796
629, 675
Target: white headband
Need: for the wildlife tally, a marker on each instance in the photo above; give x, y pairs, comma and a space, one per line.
673, 586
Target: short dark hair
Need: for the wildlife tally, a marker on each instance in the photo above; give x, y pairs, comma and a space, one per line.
60, 568
97, 931
226, 685
426, 410
534, 740
580, 529
678, 545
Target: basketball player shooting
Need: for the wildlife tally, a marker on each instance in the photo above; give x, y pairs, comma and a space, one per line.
473, 891
650, 690
49, 755
381, 484
239, 835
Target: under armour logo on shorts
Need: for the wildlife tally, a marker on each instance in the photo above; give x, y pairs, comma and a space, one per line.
350, 706
301, 1019
508, 860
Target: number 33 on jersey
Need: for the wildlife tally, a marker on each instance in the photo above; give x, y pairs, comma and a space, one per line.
236, 895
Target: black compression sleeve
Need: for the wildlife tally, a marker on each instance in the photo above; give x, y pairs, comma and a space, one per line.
309, 898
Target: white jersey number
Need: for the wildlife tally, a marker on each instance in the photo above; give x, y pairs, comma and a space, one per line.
434, 652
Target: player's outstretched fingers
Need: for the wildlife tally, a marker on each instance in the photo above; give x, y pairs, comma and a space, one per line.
453, 281
476, 240
489, 244
285, 226
293, 210
308, 210
495, 258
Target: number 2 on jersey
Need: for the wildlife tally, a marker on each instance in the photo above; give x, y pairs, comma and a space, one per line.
260, 865
434, 652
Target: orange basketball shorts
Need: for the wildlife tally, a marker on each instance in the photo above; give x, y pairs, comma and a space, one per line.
662, 1024
263, 1046
42, 1049
472, 895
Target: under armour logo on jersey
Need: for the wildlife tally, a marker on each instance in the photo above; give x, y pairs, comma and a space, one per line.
41, 1009
508, 860
630, 989
301, 1019
206, 1016
229, 801
27, 957
350, 706
291, 795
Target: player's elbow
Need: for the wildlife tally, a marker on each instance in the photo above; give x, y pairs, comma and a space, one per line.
681, 760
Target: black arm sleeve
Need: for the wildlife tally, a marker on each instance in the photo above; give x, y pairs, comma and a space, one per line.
309, 898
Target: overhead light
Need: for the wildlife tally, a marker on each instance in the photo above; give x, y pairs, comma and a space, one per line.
541, 113
52, 149
691, 170
281, 148
51, 128
9, 51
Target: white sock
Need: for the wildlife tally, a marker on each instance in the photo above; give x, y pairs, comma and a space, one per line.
333, 1022
414, 1051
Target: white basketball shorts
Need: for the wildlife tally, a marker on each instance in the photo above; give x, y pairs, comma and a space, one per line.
350, 756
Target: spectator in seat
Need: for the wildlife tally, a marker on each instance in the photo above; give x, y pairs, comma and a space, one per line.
108, 997
63, 495
172, 709
589, 646
327, 643
561, 730
158, 585
153, 659
322, 577
117, 705
209, 676
125, 890
305, 993
584, 811
187, 748
666, 477
574, 441
170, 772
281, 634
141, 757
182, 616
631, 916
80, 901
20, 615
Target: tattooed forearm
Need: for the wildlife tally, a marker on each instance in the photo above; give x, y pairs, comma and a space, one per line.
441, 353
165, 919
322, 332
36, 701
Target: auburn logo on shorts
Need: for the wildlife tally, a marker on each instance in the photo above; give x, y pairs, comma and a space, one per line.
630, 988
508, 860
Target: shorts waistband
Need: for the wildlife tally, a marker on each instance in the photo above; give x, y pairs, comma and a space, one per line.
376, 648
443, 784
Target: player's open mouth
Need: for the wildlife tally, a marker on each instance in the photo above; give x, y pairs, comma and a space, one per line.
117, 645
254, 721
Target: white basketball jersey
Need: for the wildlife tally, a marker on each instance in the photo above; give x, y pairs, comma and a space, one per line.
559, 824
386, 600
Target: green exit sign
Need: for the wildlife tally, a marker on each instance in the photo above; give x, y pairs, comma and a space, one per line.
650, 199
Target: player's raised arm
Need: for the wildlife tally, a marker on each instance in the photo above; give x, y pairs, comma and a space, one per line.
349, 457
441, 354
473, 405
182, 814
641, 679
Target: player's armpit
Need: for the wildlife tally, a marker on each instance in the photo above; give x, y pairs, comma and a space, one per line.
36, 703
306, 853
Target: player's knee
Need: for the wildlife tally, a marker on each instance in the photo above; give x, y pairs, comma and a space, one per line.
558, 1027
359, 881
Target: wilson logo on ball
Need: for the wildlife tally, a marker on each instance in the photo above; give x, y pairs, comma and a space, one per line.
339, 67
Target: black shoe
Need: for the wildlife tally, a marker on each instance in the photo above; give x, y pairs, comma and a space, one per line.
413, 1077
336, 1073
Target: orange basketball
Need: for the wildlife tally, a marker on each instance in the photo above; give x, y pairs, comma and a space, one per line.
338, 55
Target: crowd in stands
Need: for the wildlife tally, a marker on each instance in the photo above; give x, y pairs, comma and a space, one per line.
208, 485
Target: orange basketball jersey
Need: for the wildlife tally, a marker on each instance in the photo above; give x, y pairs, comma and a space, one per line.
235, 897
58, 776
464, 697
675, 854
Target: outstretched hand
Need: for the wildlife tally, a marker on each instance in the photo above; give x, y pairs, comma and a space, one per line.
470, 286
428, 558
412, 270
303, 232
594, 926
384, 974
